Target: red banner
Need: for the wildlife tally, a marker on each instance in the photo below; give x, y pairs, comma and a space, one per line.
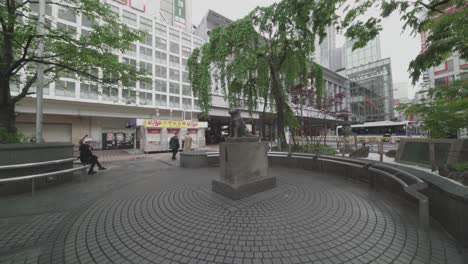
173, 130
154, 131
193, 131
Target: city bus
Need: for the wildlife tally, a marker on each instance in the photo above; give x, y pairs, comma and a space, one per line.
383, 130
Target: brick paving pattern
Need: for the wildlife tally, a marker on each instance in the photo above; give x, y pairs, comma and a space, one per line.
151, 211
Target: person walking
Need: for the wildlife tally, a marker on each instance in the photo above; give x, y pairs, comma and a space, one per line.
87, 156
174, 145
187, 143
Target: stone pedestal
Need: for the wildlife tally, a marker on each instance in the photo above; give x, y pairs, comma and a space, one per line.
244, 169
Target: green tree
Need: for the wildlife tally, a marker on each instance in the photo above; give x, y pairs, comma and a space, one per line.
444, 22
66, 53
261, 55
445, 112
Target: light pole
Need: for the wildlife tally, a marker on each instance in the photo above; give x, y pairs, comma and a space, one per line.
40, 73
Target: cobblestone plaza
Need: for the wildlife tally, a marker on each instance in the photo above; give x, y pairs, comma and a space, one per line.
152, 211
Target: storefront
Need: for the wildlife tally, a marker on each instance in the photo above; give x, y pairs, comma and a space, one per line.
155, 134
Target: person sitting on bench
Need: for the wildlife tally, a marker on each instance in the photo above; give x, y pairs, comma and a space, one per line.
87, 157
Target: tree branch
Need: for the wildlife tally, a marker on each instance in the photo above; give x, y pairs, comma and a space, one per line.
25, 89
434, 6
23, 57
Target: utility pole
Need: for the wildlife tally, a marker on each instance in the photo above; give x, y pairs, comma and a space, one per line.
40, 73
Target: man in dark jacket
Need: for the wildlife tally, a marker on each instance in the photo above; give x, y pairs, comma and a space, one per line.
174, 146
87, 157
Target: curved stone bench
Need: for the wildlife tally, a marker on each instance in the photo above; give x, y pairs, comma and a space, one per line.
444, 200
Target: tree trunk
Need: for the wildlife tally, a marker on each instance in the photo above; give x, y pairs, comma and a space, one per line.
7, 117
280, 106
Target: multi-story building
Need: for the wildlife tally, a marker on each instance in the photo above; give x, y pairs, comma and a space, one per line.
371, 91
74, 108
370, 53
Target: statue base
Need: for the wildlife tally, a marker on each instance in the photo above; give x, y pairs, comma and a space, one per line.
244, 169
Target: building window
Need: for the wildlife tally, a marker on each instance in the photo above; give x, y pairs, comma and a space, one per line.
184, 63
174, 74
85, 21
174, 48
146, 53
440, 81
148, 39
146, 85
65, 89
110, 94
66, 28
185, 77
161, 30
186, 40
85, 33
161, 99
35, 8
131, 51
146, 25
160, 43
174, 61
89, 91
161, 86
174, 35
186, 90
146, 67
187, 103
145, 98
129, 18
161, 57
186, 51
174, 102
195, 105
197, 43
174, 88
160, 71
129, 96
67, 14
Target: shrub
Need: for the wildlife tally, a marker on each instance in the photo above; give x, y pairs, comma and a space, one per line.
316, 149
8, 137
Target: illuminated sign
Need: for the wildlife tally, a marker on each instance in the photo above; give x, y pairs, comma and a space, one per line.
170, 123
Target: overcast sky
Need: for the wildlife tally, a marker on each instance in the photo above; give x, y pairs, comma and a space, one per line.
401, 48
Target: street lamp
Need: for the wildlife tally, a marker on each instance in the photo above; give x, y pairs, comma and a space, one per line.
40, 73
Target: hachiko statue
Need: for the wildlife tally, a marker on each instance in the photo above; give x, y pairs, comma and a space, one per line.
237, 126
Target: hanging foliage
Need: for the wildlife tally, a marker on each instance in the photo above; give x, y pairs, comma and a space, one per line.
261, 55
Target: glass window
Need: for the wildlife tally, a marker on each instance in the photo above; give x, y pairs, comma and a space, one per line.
148, 39
146, 53
146, 25
174, 88
174, 35
35, 8
131, 51
174, 61
66, 28
161, 86
85, 21
145, 98
161, 30
174, 101
161, 57
160, 43
161, 99
174, 48
110, 94
187, 103
146, 85
160, 71
130, 62
185, 77
129, 96
184, 63
129, 18
65, 89
195, 104
174, 74
89, 91
187, 90
67, 14
186, 40
85, 33
186, 51
146, 67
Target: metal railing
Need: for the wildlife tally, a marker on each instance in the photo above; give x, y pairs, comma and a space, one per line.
82, 168
410, 183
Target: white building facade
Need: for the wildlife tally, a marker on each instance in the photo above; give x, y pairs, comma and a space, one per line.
74, 108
